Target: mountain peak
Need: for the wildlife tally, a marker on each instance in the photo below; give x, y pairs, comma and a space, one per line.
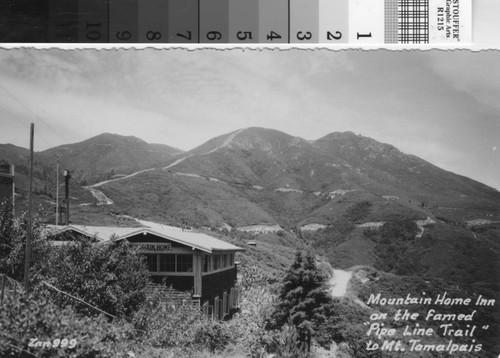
259, 131
249, 138
341, 136
263, 138
115, 138
355, 142
99, 157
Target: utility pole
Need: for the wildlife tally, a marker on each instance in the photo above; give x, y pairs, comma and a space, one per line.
57, 192
27, 256
67, 177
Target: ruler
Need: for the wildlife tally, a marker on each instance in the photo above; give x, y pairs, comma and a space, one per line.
237, 21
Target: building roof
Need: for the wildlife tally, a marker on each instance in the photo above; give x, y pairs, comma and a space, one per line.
190, 238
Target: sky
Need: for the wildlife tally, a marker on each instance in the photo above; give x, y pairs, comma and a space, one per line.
439, 105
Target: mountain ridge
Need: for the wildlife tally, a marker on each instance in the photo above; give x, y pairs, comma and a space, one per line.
95, 159
178, 152
285, 179
290, 181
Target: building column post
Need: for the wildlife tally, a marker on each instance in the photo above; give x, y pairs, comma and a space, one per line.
197, 267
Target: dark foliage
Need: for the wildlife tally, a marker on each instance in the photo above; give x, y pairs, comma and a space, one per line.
359, 211
393, 242
13, 243
112, 277
303, 299
63, 331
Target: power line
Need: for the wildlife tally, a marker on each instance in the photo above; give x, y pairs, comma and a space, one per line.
34, 115
77, 299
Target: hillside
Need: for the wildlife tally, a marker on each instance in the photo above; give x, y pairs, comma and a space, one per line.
44, 180
99, 158
261, 176
107, 155
257, 177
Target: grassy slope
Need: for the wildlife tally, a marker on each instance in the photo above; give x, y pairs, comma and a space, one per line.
164, 196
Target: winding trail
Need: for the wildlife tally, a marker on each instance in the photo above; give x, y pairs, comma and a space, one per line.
104, 200
339, 282
100, 197
180, 160
226, 142
120, 178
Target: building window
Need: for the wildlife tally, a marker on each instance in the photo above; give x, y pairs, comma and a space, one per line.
184, 263
231, 260
167, 263
152, 263
207, 260
225, 260
216, 262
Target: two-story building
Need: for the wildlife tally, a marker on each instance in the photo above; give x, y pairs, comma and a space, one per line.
187, 260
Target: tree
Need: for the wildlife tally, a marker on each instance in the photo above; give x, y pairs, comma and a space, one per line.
112, 277
13, 242
303, 298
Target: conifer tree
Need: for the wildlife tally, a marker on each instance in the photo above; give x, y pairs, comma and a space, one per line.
303, 298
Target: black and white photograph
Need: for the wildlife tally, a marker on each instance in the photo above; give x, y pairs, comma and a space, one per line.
244, 202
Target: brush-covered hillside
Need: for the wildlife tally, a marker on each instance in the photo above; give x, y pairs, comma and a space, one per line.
399, 224
99, 158
260, 176
108, 155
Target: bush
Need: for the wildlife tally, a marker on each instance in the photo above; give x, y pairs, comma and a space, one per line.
13, 243
248, 326
162, 322
393, 243
358, 212
403, 229
212, 335
283, 343
253, 276
112, 277
24, 318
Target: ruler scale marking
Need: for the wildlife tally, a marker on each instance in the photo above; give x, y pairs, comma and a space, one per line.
357, 22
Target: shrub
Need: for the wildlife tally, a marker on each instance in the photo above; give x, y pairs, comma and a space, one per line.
13, 243
161, 322
248, 327
24, 318
212, 335
253, 276
403, 229
358, 212
112, 277
283, 343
